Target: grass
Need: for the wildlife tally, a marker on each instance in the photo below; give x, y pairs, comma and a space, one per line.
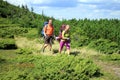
32, 33
109, 64
5, 59
30, 66
27, 66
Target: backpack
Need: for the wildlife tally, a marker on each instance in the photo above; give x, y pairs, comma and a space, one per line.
42, 32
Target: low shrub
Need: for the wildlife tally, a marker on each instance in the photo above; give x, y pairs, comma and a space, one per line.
9, 32
79, 41
25, 51
7, 44
111, 57
61, 67
105, 46
31, 34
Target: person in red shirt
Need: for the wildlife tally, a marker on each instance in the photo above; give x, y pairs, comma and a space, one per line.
48, 33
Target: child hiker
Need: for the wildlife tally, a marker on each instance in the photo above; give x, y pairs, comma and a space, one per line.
65, 39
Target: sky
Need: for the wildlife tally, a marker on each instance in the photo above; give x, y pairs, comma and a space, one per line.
69, 9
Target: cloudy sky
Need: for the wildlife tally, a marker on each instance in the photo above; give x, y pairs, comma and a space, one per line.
79, 9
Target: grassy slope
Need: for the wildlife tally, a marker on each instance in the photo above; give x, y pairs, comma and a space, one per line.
110, 71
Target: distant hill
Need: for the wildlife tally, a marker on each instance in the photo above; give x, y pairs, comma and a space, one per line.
20, 15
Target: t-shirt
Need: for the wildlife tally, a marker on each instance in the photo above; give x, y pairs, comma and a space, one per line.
48, 29
65, 35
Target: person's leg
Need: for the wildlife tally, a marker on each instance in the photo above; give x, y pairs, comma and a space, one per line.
68, 47
46, 43
61, 46
50, 43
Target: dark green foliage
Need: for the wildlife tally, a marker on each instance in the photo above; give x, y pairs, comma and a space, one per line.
111, 57
9, 30
105, 46
84, 41
24, 51
40, 27
20, 15
57, 24
61, 67
103, 28
7, 44
2, 60
4, 21
79, 41
32, 33
84, 31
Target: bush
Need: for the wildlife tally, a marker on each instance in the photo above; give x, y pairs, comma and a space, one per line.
83, 41
111, 57
32, 33
25, 51
52, 68
7, 44
79, 41
9, 32
105, 46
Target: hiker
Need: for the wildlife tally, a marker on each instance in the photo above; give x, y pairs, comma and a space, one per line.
60, 33
65, 39
48, 33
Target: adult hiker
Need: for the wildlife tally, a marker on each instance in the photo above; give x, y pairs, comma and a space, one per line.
48, 33
65, 39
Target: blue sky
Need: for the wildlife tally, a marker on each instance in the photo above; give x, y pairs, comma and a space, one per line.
79, 9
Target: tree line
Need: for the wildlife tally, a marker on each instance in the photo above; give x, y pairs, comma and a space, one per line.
83, 31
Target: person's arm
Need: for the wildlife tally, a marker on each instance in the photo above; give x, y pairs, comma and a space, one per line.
45, 30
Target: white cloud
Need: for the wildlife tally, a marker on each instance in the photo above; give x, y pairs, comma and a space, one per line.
91, 1
115, 13
40, 1
82, 0
86, 9
17, 2
92, 6
37, 1
117, 1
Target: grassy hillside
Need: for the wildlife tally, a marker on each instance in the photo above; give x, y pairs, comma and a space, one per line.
95, 48
20, 15
29, 63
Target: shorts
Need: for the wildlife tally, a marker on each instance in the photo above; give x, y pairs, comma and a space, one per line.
48, 39
66, 43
